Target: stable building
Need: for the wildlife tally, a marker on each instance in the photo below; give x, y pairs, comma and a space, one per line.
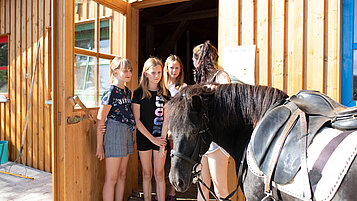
292, 45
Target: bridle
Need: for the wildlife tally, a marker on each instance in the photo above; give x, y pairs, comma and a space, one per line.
204, 136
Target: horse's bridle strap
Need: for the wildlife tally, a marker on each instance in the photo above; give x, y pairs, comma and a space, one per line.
182, 156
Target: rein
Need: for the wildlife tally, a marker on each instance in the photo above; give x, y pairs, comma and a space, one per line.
196, 163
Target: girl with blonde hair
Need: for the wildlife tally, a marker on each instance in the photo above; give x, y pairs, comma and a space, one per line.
173, 74
148, 108
115, 127
174, 82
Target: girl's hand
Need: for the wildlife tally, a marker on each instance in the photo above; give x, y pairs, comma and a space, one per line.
159, 141
162, 152
100, 153
210, 86
101, 129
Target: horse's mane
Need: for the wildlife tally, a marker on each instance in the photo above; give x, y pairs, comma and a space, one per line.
228, 104
249, 102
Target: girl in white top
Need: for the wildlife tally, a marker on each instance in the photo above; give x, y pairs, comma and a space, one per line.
174, 82
173, 74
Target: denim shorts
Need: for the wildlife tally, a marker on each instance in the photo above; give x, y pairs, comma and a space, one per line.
118, 139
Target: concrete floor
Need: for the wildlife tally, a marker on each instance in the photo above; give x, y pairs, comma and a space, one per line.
17, 188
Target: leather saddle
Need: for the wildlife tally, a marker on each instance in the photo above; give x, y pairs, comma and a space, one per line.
320, 111
318, 104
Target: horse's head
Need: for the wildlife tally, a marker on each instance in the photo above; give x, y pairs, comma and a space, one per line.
189, 127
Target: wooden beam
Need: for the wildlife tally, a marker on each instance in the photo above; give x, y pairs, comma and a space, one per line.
185, 16
117, 5
153, 3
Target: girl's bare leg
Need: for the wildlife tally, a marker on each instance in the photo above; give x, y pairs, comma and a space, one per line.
146, 164
159, 174
218, 166
111, 177
119, 188
206, 178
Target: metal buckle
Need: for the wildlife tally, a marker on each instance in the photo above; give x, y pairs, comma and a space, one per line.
268, 195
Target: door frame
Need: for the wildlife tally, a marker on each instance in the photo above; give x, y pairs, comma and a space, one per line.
62, 77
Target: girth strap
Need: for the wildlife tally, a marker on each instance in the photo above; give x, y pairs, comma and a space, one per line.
276, 153
303, 158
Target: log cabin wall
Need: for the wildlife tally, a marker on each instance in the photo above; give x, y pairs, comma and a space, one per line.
27, 23
298, 42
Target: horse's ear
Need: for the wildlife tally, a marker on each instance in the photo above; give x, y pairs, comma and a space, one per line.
195, 109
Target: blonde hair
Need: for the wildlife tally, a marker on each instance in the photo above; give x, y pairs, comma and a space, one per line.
144, 81
118, 63
180, 78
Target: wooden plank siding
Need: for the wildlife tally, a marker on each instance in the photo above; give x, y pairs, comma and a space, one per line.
25, 21
298, 42
298, 47
79, 175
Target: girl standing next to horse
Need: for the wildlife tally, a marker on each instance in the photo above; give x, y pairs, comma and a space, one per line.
115, 127
173, 74
148, 107
174, 82
215, 161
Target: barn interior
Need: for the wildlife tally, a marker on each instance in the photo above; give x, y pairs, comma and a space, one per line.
176, 29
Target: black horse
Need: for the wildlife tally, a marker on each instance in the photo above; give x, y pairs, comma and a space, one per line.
227, 115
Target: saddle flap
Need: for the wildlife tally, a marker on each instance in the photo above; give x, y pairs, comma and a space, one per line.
266, 131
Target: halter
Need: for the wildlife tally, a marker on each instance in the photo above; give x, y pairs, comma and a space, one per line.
197, 151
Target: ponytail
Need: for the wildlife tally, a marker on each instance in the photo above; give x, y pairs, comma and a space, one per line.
206, 60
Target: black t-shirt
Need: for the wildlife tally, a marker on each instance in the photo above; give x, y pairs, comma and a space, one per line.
120, 100
151, 112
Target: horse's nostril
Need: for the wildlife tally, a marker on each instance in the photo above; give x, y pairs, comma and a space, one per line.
181, 184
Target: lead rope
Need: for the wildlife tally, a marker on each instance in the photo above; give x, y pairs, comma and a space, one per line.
198, 181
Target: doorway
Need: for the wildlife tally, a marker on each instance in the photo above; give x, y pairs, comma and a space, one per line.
176, 29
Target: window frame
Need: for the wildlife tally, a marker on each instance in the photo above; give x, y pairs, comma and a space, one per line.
95, 52
347, 53
8, 59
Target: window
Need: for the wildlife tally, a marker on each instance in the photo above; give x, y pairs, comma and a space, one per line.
349, 53
3, 68
95, 47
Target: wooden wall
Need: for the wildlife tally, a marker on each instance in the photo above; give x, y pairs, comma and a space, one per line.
298, 44
28, 22
78, 174
298, 41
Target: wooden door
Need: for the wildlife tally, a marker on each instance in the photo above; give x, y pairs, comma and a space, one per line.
78, 175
